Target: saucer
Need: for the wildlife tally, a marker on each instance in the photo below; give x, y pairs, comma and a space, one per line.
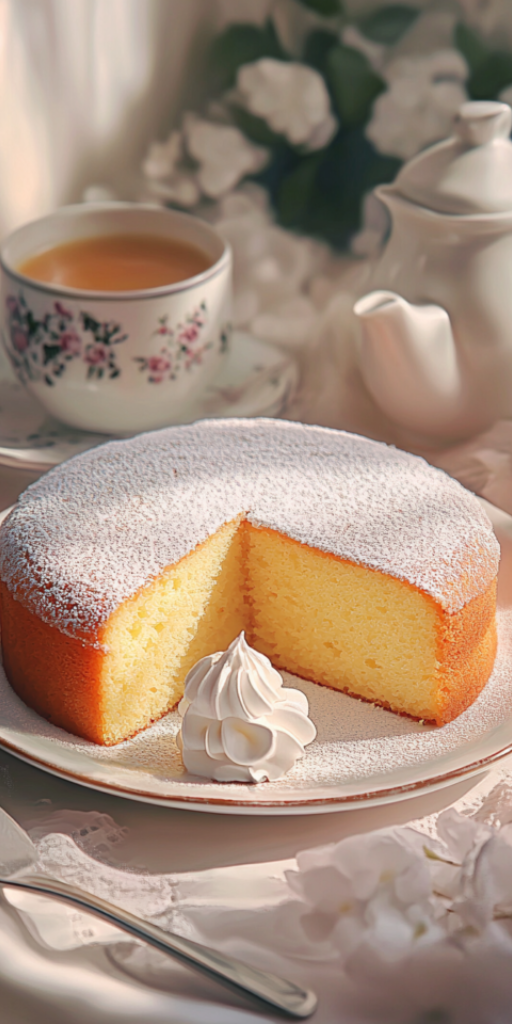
256, 379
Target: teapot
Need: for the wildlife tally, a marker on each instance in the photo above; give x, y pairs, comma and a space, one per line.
435, 331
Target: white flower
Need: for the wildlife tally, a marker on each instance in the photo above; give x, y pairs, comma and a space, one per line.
367, 910
483, 895
163, 157
461, 834
294, 22
291, 97
223, 153
180, 188
168, 180
423, 96
452, 861
473, 872
372, 891
271, 266
488, 16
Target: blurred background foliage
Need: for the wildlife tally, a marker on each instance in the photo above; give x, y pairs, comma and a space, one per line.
321, 193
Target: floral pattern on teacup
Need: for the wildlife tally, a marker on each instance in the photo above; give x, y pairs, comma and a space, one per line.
40, 349
183, 347
99, 353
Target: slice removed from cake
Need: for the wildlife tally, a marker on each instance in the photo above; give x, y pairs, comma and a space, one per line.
346, 562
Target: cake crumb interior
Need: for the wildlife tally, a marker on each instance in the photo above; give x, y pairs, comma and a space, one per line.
311, 613
341, 624
155, 638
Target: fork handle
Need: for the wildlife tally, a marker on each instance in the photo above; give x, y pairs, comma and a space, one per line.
228, 971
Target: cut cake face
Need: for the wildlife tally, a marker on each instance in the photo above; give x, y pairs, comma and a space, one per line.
346, 562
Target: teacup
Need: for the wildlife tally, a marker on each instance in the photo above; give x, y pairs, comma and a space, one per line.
116, 362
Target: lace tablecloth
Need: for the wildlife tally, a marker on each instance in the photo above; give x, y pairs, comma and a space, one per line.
217, 879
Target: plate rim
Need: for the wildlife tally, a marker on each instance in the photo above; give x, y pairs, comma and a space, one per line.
304, 805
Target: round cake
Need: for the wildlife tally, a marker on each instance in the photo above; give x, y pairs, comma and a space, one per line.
345, 561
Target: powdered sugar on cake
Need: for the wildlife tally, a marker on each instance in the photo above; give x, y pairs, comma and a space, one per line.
95, 530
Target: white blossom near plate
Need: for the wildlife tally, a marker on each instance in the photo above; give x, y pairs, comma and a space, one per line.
363, 754
256, 379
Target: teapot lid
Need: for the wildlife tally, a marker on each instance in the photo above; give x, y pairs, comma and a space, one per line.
469, 173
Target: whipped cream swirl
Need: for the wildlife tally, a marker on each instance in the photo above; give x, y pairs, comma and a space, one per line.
240, 724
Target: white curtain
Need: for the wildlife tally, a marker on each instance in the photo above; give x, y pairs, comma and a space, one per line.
85, 85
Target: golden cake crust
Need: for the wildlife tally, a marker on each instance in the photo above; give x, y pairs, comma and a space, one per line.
123, 530
61, 677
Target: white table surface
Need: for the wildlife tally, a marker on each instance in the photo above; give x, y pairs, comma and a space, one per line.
167, 841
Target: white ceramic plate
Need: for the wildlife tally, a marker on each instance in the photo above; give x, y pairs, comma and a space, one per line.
362, 755
257, 379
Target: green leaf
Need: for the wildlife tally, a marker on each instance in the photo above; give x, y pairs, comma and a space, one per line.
295, 191
32, 324
50, 352
353, 83
491, 76
89, 323
470, 46
388, 24
351, 167
318, 45
242, 44
255, 128
325, 7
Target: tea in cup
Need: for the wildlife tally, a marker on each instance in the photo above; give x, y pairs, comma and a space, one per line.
116, 263
116, 315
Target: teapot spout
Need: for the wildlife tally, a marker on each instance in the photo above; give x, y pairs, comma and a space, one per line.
408, 360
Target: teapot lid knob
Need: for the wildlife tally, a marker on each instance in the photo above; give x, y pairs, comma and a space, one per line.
482, 121
468, 174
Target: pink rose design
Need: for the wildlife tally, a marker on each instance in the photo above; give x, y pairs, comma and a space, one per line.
19, 339
158, 364
70, 343
96, 355
12, 305
189, 333
62, 311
